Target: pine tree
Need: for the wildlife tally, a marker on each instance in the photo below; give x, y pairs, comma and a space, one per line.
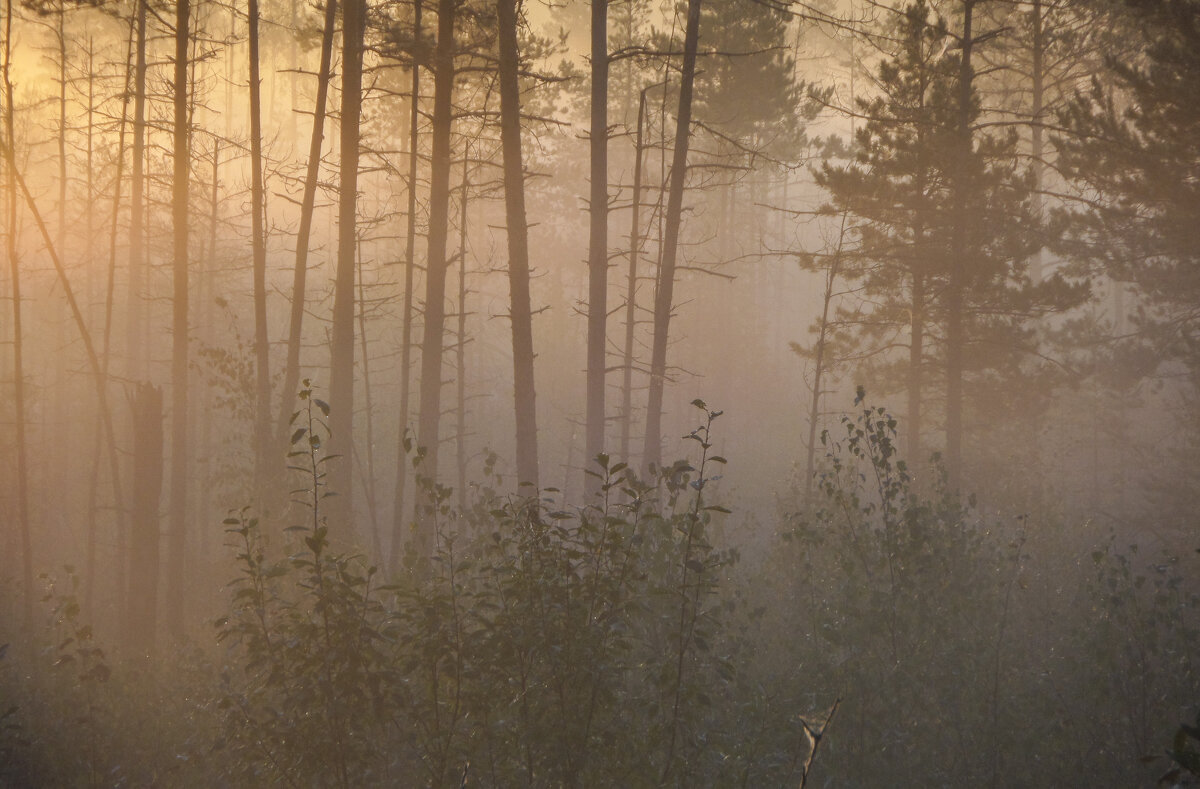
939, 226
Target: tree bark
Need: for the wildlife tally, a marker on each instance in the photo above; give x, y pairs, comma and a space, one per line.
520, 309
664, 293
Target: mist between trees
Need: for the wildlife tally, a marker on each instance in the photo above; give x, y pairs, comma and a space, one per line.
739, 392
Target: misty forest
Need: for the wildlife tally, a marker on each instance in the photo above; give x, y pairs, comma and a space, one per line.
616, 393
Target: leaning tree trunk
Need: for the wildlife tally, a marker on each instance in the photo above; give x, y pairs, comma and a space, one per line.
177, 522
22, 448
341, 362
428, 425
597, 241
291, 375
664, 294
520, 310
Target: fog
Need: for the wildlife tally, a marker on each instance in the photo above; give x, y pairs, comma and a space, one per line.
867, 404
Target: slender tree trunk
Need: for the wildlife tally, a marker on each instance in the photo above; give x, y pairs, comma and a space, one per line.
819, 363
368, 468
291, 376
635, 244
429, 420
142, 606
137, 193
460, 345
109, 300
520, 309
61, 35
960, 249
97, 368
22, 447
916, 363
665, 291
1035, 132
597, 242
177, 526
262, 361
406, 343
341, 385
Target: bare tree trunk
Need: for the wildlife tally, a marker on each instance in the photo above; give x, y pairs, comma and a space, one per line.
597, 242
819, 362
368, 468
635, 243
410, 250
460, 346
258, 241
177, 526
916, 363
109, 299
142, 607
960, 248
1038, 110
520, 309
61, 36
291, 376
137, 193
429, 420
22, 447
665, 291
341, 385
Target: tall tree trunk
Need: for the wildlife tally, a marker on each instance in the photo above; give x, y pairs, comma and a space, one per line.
410, 251
460, 345
665, 291
262, 362
819, 363
142, 606
916, 364
135, 338
61, 36
22, 447
341, 384
368, 467
520, 309
635, 243
1035, 132
109, 301
960, 249
429, 421
177, 525
597, 242
291, 375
